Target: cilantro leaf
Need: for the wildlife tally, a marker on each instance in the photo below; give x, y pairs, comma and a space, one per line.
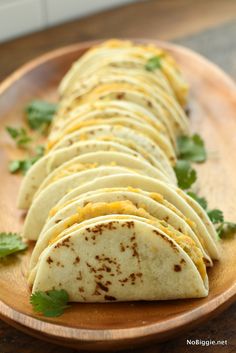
191, 148
153, 63
201, 200
19, 135
51, 303
24, 165
216, 216
226, 229
40, 114
14, 166
223, 228
185, 174
10, 243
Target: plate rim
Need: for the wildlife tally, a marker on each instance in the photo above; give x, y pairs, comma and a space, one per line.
7, 313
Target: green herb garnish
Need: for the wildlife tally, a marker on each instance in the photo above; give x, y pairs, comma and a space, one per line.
226, 229
223, 228
51, 303
216, 216
19, 135
10, 243
191, 148
185, 174
153, 63
23, 165
40, 114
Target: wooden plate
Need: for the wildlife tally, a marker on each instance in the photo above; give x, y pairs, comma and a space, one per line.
121, 325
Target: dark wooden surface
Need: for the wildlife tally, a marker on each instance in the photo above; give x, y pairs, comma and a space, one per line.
207, 26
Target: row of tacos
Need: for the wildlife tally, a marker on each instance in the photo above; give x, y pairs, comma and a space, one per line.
103, 202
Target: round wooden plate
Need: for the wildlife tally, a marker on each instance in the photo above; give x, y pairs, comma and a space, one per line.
122, 325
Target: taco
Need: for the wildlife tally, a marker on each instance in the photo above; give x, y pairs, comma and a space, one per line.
73, 174
121, 260
114, 201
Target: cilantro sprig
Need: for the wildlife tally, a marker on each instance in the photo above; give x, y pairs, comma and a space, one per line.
23, 165
153, 63
185, 174
40, 114
191, 148
20, 136
51, 303
10, 243
223, 228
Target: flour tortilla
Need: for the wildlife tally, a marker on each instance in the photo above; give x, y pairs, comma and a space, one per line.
102, 158
65, 216
174, 195
54, 191
152, 266
129, 109
48, 163
126, 53
110, 132
113, 117
122, 79
126, 93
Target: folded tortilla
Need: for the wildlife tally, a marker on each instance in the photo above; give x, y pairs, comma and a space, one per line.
133, 55
102, 202
73, 174
180, 200
120, 260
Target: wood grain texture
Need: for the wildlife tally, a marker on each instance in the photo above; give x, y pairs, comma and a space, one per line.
10, 337
121, 325
156, 19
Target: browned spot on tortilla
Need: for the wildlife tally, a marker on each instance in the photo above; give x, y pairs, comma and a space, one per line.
128, 224
177, 268
120, 95
98, 276
109, 297
77, 260
91, 268
182, 261
122, 248
102, 286
65, 242
49, 260
81, 289
174, 247
79, 277
99, 228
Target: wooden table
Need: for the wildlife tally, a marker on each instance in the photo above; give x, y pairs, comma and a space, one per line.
207, 26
